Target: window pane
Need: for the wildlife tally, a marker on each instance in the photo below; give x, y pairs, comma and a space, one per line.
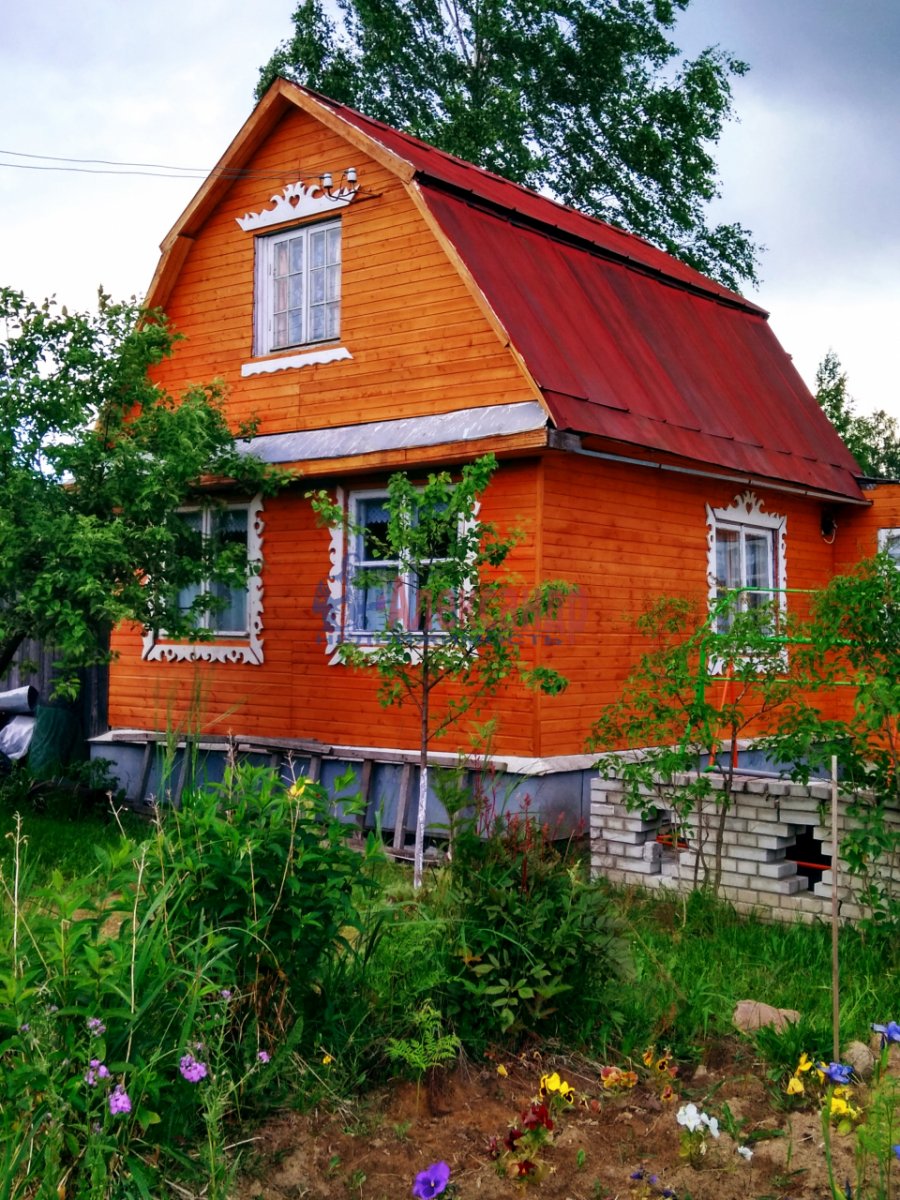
281, 258
890, 542
373, 516
758, 548
317, 287
187, 595
317, 248
316, 324
333, 283
332, 320
229, 527
296, 245
281, 295
374, 599
334, 244
728, 558
424, 605
279, 330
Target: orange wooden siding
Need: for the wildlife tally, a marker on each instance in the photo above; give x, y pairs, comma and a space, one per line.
296, 692
623, 536
627, 536
857, 535
419, 341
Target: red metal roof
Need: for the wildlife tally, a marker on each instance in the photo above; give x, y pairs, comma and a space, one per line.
624, 341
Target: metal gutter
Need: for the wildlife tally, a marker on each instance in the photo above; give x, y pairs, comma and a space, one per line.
566, 442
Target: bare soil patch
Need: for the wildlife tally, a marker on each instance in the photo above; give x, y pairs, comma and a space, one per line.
372, 1149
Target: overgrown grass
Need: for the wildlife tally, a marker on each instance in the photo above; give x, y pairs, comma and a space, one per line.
694, 962
64, 834
244, 935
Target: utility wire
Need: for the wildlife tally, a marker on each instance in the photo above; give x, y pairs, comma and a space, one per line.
97, 166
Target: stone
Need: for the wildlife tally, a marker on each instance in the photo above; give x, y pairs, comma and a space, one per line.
858, 1056
752, 1014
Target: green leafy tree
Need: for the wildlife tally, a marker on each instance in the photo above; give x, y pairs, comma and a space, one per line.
94, 462
587, 99
853, 640
872, 438
705, 680
463, 642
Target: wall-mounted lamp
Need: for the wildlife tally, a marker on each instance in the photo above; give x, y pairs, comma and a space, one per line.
346, 185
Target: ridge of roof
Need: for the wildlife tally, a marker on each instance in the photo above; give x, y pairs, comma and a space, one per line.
486, 187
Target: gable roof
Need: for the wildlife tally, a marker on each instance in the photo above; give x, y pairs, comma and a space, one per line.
623, 341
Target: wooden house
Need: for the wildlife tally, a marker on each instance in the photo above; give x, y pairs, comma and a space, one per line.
380, 305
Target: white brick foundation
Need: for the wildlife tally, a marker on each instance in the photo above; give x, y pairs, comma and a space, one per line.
761, 828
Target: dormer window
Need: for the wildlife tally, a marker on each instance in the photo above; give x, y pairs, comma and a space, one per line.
298, 287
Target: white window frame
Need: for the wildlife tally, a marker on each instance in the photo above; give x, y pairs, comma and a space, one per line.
889, 540
244, 646
265, 340
746, 516
342, 622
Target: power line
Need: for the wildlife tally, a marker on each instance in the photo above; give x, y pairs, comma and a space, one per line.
99, 166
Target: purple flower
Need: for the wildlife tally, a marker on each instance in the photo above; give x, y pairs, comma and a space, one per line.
119, 1100
24, 1028
225, 993
432, 1181
638, 1174
95, 1071
264, 1056
836, 1073
192, 1069
889, 1032
896, 1150
95, 1026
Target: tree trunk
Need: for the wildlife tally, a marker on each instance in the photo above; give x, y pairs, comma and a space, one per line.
8, 651
421, 813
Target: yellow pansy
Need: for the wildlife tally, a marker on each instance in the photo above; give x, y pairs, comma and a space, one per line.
501, 1070
805, 1063
550, 1083
839, 1106
327, 1059
795, 1086
648, 1057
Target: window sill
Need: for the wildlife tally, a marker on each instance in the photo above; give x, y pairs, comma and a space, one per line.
286, 362
238, 650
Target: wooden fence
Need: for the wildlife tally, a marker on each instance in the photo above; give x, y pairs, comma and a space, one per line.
33, 665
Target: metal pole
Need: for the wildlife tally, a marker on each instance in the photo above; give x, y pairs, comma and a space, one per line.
835, 961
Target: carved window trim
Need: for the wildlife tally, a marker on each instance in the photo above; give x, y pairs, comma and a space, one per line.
224, 648
745, 514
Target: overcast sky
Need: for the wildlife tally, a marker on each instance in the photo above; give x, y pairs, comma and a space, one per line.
812, 167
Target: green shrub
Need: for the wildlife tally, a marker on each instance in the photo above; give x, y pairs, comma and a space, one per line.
537, 947
170, 1002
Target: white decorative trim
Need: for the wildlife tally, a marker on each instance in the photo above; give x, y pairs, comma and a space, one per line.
296, 201
227, 649
286, 362
340, 579
334, 616
746, 509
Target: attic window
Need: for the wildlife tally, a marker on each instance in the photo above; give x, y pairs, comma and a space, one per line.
298, 287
